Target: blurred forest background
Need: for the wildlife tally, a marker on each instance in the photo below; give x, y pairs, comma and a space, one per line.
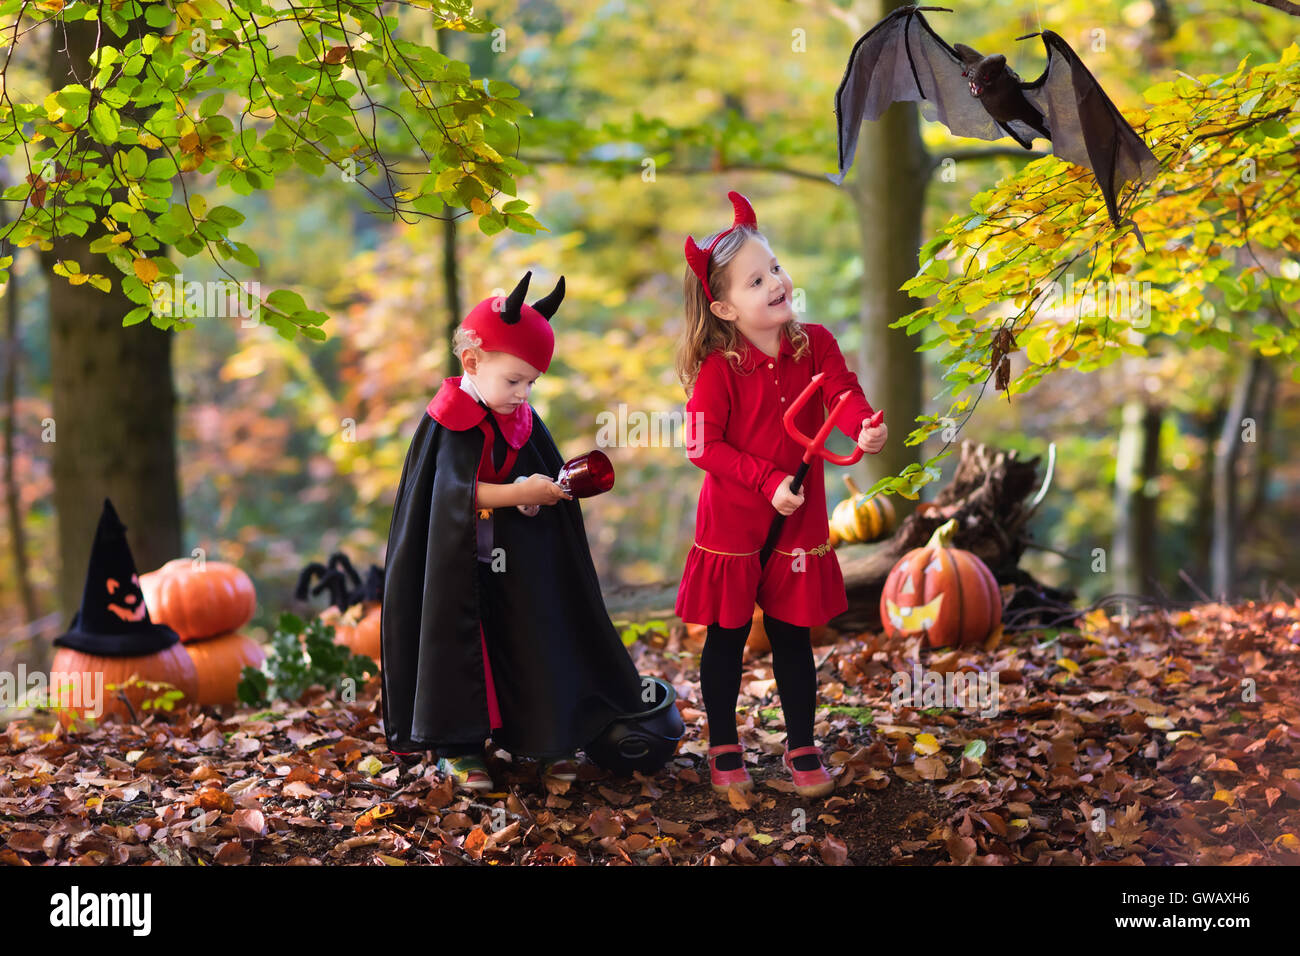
644, 115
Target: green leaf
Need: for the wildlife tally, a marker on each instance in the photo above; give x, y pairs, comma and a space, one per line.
225, 216
287, 301
158, 15
103, 121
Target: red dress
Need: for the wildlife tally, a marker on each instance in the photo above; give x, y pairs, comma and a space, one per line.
734, 432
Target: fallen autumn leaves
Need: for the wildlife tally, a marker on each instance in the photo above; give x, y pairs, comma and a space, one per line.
1172, 740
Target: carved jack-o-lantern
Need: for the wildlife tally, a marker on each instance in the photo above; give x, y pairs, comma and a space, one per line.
126, 600
946, 592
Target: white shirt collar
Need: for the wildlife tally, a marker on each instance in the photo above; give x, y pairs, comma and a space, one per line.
468, 386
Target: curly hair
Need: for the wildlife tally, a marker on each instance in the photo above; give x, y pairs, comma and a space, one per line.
464, 340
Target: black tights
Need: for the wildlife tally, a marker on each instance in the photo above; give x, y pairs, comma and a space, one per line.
796, 682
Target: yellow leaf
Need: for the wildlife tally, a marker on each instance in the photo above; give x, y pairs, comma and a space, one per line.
1160, 723
926, 744
1067, 664
146, 270
390, 860
1225, 796
121, 237
1288, 840
479, 207
370, 765
150, 141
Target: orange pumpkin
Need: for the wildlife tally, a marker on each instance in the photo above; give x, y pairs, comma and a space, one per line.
357, 627
218, 662
948, 593
172, 665
197, 602
757, 642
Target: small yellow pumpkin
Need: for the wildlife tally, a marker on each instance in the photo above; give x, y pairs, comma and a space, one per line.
861, 518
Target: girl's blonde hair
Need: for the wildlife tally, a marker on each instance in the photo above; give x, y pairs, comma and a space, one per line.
705, 333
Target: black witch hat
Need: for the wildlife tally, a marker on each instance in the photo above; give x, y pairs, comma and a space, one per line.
113, 620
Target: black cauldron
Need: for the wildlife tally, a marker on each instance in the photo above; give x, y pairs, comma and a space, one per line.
641, 741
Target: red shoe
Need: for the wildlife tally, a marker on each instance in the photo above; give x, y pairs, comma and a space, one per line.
722, 780
808, 783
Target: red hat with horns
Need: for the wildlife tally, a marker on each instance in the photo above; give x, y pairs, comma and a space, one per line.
698, 258
509, 324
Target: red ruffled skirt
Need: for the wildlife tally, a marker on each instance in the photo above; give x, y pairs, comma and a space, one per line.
806, 591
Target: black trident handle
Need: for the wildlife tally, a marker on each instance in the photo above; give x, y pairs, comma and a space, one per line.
775, 531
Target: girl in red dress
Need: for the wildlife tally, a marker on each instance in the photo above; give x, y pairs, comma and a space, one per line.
744, 359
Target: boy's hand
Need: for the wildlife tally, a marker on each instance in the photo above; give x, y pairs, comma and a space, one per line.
871, 440
783, 501
541, 490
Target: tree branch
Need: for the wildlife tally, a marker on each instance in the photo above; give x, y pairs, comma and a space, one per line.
537, 160
985, 152
1286, 6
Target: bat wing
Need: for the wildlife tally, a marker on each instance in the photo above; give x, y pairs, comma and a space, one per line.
902, 59
1086, 127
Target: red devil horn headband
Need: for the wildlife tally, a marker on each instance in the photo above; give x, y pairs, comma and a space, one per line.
698, 259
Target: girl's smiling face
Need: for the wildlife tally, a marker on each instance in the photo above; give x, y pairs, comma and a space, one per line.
758, 293
504, 380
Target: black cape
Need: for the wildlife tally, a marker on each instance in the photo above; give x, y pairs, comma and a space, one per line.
560, 670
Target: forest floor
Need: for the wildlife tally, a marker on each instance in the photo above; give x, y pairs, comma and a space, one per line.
1172, 738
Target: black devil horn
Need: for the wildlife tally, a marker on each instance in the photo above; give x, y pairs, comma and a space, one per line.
550, 303
511, 314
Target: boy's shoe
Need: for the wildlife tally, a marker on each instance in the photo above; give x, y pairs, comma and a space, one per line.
722, 780
469, 772
560, 768
808, 783
407, 758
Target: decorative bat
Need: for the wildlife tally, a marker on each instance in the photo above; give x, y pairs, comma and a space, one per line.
902, 58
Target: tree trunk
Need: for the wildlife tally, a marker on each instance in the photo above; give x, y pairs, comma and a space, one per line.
1134, 566
1146, 507
450, 262
13, 506
1223, 550
451, 284
889, 192
114, 400
1262, 460
1202, 533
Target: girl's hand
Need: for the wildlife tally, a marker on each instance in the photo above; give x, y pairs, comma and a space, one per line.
871, 440
540, 490
783, 501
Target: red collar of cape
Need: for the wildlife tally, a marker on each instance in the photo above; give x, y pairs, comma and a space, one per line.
455, 408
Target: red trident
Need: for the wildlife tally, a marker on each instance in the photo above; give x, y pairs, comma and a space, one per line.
814, 447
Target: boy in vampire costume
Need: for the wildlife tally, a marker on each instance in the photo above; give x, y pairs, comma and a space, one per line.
492, 620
